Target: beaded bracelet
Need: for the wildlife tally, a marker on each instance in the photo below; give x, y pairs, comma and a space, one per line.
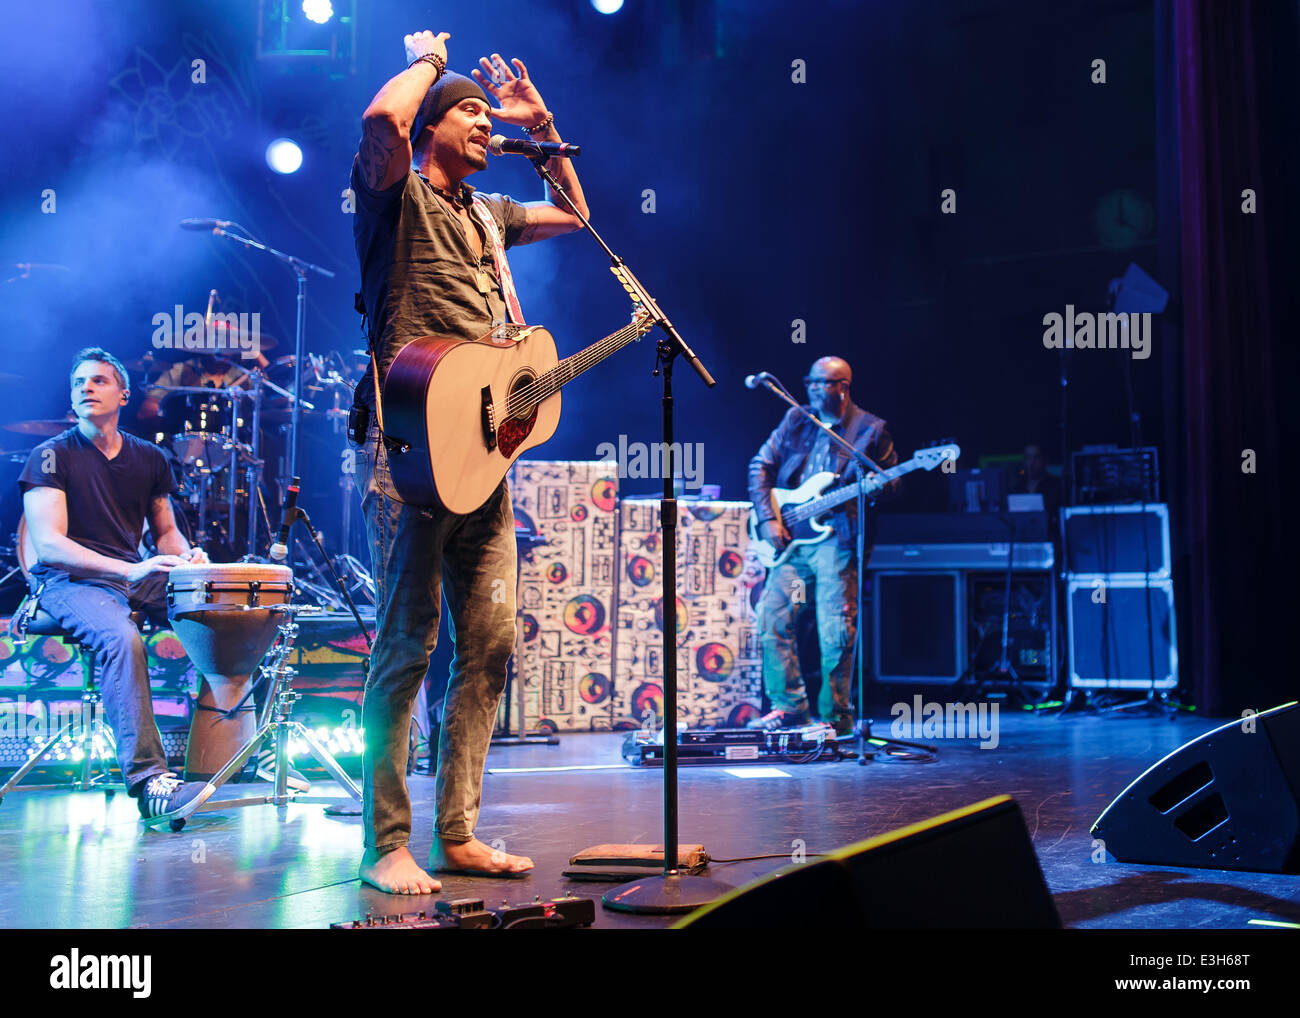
432, 59
550, 119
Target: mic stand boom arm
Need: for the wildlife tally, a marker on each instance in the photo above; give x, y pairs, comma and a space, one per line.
625, 276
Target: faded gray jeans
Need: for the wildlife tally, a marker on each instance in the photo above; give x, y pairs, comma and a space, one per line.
421, 555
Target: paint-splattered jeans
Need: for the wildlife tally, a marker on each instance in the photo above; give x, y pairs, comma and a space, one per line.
419, 555
827, 570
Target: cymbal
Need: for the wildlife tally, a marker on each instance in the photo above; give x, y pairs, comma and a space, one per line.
146, 363
221, 330
157, 360
47, 428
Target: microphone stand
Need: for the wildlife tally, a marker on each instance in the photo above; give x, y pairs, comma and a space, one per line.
673, 890
300, 268
299, 513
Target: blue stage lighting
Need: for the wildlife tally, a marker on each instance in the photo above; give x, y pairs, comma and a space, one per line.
283, 156
607, 6
319, 11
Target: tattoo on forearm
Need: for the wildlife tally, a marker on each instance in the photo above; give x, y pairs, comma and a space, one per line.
530, 226
376, 157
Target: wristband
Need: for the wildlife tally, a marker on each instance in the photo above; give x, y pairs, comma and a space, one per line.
432, 59
550, 119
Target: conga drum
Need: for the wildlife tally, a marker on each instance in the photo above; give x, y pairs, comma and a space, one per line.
225, 615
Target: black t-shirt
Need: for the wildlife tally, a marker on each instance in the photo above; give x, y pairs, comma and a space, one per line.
108, 500
419, 275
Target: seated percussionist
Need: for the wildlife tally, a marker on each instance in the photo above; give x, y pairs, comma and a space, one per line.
86, 496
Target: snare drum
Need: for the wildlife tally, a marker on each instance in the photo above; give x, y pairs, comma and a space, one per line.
225, 615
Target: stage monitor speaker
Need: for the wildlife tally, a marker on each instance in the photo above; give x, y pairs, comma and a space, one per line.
1229, 800
973, 868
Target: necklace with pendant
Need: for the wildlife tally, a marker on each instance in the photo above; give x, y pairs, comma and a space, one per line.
461, 201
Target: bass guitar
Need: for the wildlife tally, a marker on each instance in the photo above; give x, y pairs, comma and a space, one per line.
801, 509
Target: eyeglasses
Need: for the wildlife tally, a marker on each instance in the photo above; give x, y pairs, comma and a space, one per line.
824, 383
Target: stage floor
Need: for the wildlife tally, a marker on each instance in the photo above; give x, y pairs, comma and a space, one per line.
77, 860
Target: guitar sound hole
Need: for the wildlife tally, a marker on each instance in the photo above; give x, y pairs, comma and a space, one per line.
520, 407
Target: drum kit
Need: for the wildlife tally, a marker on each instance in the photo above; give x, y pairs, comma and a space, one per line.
219, 421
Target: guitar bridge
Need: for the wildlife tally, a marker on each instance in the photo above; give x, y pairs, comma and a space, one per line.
489, 419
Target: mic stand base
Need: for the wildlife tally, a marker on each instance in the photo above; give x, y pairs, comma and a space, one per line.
671, 892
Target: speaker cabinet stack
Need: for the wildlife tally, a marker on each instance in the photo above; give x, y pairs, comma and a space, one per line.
1120, 597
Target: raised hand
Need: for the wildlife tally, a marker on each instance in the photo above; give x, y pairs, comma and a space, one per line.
423, 44
520, 102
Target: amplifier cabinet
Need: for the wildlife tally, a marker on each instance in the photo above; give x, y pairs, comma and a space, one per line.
1111, 645
982, 556
919, 626
1117, 540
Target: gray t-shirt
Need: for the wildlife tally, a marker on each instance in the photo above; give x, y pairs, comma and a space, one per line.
419, 275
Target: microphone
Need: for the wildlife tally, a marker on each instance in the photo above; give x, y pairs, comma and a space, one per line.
205, 224
499, 144
754, 381
280, 549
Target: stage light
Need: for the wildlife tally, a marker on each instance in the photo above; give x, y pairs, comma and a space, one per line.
607, 6
283, 156
319, 11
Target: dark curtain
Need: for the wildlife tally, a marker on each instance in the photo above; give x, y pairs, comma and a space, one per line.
1235, 82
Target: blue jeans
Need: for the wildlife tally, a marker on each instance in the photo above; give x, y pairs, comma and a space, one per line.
100, 618
414, 550
828, 570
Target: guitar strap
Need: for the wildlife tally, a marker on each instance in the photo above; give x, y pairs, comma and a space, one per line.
499, 258
513, 307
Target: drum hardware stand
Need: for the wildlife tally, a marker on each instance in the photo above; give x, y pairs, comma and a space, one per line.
278, 725
524, 543
300, 267
299, 513
360, 577
319, 591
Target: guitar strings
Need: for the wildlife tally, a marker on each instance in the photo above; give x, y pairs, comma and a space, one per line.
812, 508
523, 399
583, 358
545, 381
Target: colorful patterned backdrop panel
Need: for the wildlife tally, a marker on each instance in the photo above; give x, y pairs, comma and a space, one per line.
719, 661
563, 647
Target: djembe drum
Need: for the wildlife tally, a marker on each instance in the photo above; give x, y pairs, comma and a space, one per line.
225, 615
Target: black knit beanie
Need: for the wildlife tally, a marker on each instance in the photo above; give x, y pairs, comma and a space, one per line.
443, 94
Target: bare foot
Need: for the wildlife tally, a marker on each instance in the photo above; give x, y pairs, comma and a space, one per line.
396, 872
477, 858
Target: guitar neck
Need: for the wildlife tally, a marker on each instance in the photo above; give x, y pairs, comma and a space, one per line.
822, 503
549, 382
